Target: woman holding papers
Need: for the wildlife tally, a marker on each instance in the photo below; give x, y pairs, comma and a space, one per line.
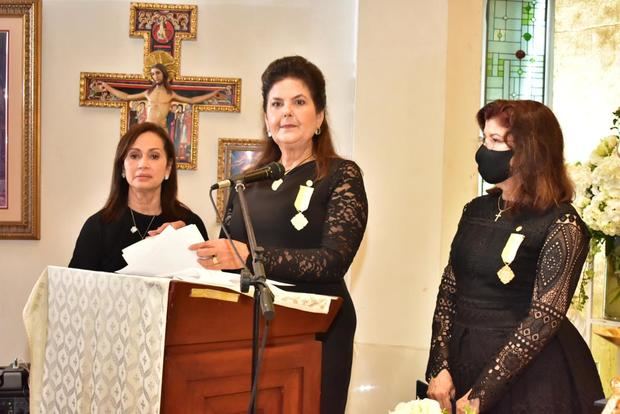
143, 197
501, 342
310, 222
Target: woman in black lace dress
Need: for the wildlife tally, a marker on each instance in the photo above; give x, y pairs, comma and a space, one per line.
501, 341
312, 221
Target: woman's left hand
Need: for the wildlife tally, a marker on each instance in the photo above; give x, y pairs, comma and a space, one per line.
219, 255
466, 406
175, 225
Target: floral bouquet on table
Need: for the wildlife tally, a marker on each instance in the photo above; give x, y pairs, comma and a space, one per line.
597, 190
425, 406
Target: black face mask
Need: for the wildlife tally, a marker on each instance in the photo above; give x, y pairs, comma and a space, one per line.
493, 166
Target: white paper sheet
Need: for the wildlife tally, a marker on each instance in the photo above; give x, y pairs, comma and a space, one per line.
163, 255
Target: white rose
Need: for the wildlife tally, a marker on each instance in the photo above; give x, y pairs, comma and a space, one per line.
609, 221
606, 176
592, 212
606, 147
581, 176
425, 406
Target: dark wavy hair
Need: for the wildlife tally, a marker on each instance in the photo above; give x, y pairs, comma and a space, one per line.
537, 166
171, 208
166, 80
297, 67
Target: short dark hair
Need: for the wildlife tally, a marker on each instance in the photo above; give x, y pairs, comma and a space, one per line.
538, 165
297, 67
171, 208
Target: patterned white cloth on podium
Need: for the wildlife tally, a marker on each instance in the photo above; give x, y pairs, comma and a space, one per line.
104, 342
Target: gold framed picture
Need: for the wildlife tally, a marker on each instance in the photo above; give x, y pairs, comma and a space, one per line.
20, 62
234, 155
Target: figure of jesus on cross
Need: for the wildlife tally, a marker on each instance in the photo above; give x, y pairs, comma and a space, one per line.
159, 96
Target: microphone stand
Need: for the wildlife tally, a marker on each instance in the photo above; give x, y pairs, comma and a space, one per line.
263, 298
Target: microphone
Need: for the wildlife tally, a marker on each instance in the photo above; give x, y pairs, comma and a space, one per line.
273, 170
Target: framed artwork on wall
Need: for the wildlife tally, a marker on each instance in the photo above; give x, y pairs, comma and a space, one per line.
234, 155
20, 61
163, 27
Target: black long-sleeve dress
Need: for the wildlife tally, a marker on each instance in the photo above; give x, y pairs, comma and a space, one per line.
99, 245
316, 257
511, 343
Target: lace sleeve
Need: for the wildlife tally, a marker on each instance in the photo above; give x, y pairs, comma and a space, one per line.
344, 226
445, 309
559, 266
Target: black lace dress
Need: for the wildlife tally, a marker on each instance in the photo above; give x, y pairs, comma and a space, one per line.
511, 342
316, 257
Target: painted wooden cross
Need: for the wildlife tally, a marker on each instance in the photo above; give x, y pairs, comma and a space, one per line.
160, 94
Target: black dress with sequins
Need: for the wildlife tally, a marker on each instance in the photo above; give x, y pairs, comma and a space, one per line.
314, 258
511, 343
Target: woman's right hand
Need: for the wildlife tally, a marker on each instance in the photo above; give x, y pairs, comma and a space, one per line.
218, 254
441, 389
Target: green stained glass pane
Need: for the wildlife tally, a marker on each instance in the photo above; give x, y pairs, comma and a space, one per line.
514, 25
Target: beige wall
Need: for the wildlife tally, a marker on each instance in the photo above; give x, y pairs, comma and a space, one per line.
418, 87
586, 73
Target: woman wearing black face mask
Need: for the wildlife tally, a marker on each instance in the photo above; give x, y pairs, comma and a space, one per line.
501, 342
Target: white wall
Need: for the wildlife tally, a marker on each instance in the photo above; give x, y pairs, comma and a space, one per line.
415, 135
399, 141
235, 39
586, 69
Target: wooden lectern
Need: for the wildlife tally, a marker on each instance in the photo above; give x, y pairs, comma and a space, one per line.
208, 355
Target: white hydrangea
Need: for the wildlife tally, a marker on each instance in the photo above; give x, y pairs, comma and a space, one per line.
608, 146
582, 178
606, 176
597, 187
425, 406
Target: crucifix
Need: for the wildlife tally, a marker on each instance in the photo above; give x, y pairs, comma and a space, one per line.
160, 94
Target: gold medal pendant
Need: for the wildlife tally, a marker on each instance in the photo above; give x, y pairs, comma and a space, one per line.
509, 252
302, 201
299, 221
276, 184
505, 274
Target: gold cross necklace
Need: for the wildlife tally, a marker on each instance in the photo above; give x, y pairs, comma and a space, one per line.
499, 208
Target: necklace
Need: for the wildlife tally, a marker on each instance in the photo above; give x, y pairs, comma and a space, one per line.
277, 183
499, 208
135, 228
298, 164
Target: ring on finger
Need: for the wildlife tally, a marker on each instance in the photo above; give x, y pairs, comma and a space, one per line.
215, 261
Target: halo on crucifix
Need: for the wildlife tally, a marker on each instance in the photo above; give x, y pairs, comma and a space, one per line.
161, 94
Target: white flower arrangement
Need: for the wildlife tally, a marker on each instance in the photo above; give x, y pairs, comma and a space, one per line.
425, 406
597, 199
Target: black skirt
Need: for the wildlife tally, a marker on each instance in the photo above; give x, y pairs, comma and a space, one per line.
562, 378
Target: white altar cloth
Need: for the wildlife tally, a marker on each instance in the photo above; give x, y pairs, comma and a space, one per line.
97, 339
97, 342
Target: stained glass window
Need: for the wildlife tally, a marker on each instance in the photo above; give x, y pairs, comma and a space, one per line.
516, 45
516, 64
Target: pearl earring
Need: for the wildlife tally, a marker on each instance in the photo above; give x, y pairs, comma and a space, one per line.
318, 131
123, 174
